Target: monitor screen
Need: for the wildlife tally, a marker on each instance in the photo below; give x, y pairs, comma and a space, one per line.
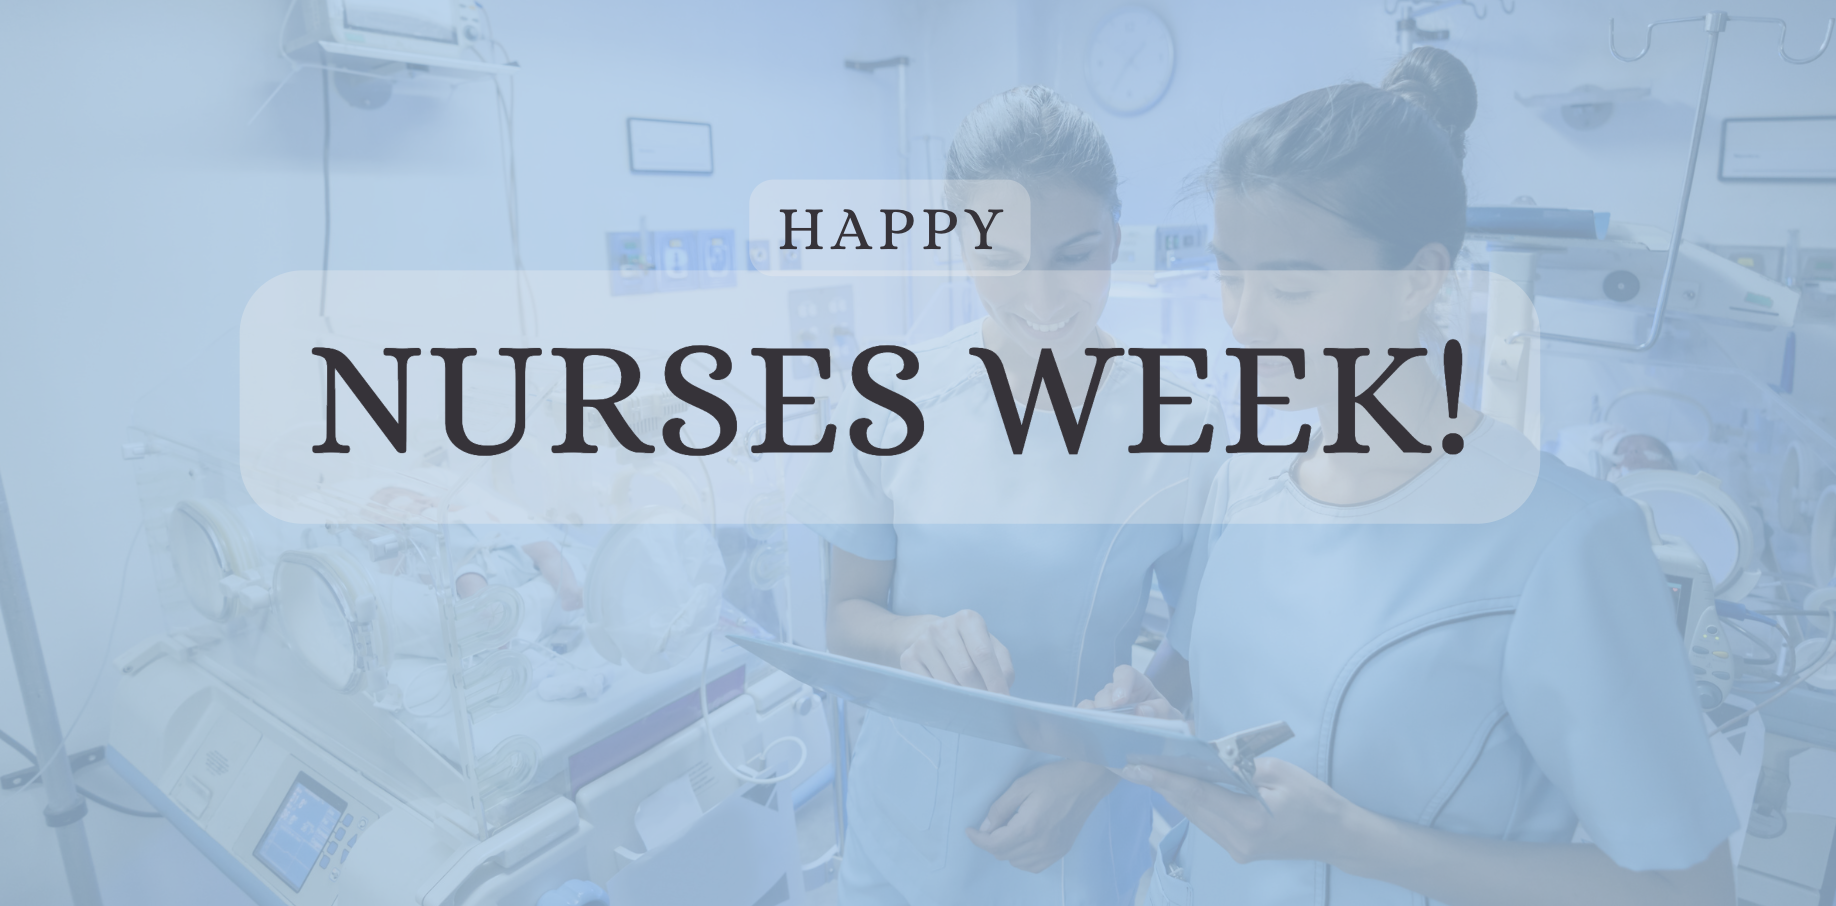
430, 20
299, 830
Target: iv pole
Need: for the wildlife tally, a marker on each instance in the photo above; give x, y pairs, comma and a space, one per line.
64, 808
1714, 23
905, 156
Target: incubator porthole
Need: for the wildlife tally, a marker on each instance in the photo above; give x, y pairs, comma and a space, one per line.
210, 551
1793, 482
325, 608
1823, 538
1694, 508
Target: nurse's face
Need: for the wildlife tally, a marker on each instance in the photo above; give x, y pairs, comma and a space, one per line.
1295, 276
1056, 300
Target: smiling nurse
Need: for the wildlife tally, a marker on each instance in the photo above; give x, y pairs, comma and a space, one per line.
1474, 650
1022, 574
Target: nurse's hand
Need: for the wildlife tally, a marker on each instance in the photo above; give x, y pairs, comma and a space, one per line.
1130, 687
959, 650
1035, 822
1306, 819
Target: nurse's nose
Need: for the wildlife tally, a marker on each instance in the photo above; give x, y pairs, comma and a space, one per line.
1252, 317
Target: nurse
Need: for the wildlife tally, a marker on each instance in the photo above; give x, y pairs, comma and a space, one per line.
1491, 704
1022, 574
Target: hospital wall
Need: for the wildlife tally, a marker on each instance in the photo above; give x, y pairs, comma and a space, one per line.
143, 207
1238, 58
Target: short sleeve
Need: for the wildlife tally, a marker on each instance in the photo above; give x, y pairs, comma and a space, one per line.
1598, 687
841, 496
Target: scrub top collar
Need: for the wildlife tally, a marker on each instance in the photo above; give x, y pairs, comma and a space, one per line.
960, 372
1290, 484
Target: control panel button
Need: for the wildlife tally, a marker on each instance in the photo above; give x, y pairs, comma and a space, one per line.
325, 861
347, 820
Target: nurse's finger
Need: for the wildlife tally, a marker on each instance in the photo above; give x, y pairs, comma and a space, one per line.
950, 646
1005, 662
982, 649
1004, 809
1158, 707
1180, 787
910, 662
936, 666
999, 843
1120, 690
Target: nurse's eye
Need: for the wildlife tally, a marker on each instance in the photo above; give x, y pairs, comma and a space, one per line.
1232, 280
1289, 295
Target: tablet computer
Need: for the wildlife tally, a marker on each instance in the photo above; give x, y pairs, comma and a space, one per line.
1107, 738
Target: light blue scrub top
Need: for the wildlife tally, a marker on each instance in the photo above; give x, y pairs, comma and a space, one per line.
1500, 680
1057, 553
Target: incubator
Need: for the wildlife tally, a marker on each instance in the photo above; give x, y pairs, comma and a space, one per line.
415, 708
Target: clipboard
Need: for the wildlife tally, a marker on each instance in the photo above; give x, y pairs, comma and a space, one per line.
1099, 737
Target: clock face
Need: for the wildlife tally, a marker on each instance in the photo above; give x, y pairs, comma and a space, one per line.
1130, 63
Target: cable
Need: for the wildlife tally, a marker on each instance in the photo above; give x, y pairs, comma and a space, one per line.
1773, 659
280, 40
116, 806
293, 66
506, 122
325, 176
707, 725
526, 318
114, 623
1829, 653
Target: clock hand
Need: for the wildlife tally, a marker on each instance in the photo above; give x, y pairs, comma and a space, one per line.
1128, 63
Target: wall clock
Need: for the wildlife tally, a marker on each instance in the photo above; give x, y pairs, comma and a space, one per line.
1130, 61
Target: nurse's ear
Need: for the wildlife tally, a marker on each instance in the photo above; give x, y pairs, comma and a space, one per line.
1421, 280
1115, 237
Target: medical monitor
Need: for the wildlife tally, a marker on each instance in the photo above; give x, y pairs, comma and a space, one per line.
437, 28
296, 836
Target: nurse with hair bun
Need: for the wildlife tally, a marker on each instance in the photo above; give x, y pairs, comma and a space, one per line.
1472, 642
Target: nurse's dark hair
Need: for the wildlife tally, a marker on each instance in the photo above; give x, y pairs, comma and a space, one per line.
1385, 159
1033, 136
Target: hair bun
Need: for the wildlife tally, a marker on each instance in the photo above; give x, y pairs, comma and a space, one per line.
1438, 82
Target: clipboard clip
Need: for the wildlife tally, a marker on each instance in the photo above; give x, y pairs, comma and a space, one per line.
1238, 751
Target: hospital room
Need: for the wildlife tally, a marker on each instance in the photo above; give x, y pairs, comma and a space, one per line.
911, 452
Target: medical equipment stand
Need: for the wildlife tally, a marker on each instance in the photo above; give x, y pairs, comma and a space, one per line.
1714, 23
64, 809
1510, 311
905, 162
